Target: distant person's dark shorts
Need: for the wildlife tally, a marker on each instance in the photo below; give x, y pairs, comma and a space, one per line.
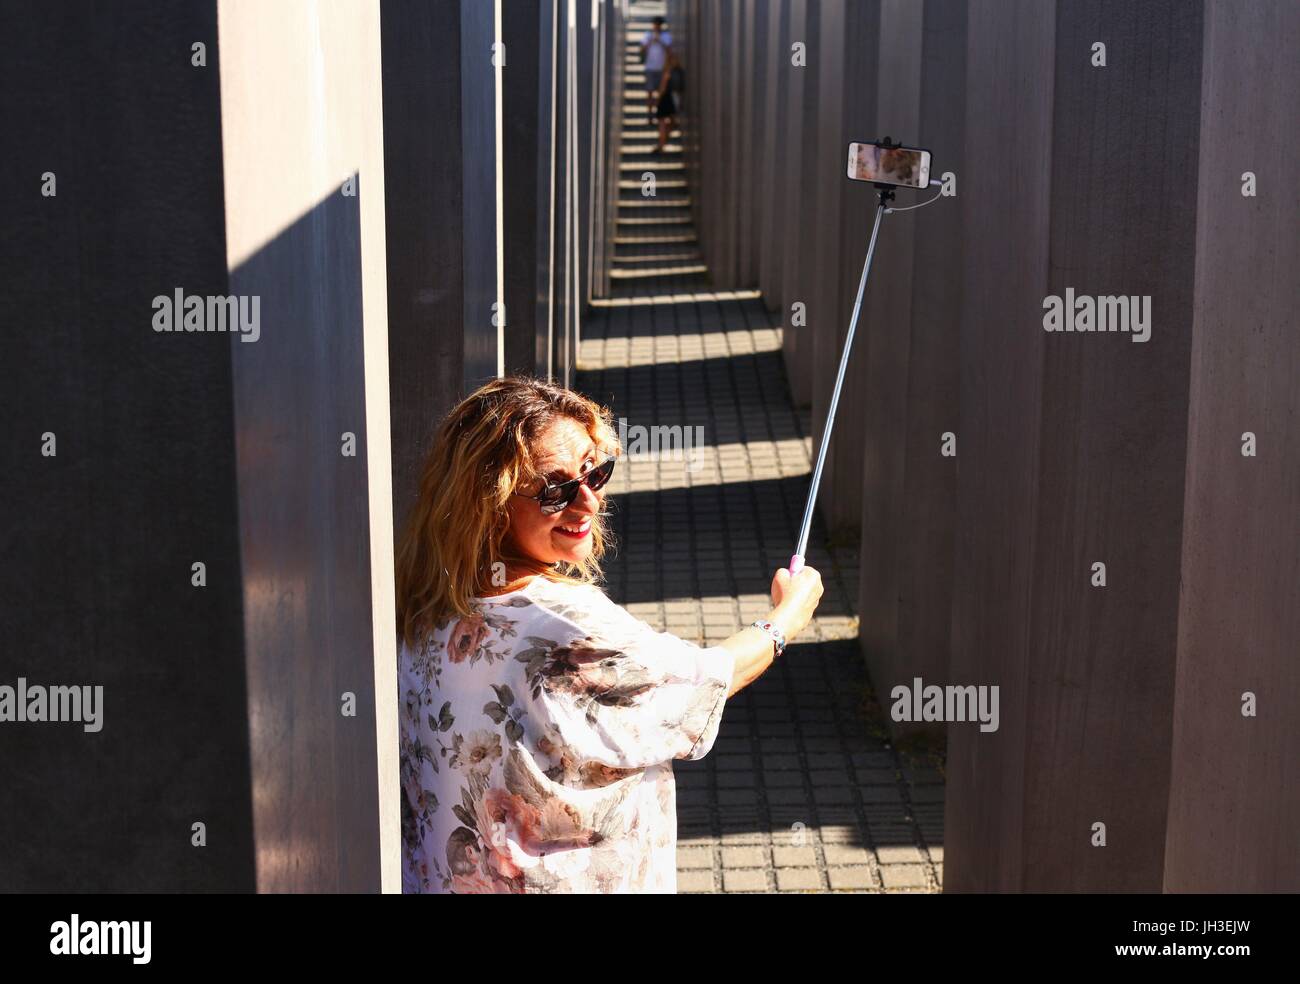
652, 79
667, 105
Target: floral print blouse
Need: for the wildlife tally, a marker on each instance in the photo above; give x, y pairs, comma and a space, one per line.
537, 740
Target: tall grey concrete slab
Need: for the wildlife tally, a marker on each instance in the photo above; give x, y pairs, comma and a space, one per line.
703, 128
698, 34
760, 151
825, 328
884, 344
548, 151
423, 164
912, 346
253, 696
103, 524
570, 174
772, 243
795, 197
1010, 73
747, 144
1234, 806
729, 62
685, 16
610, 82
312, 440
522, 130
585, 74
1072, 445
447, 277
478, 174
599, 234
926, 517
859, 104
716, 137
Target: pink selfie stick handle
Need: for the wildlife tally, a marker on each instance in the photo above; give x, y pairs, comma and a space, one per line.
796, 564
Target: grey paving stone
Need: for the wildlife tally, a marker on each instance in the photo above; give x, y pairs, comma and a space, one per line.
829, 777
694, 857
825, 760
880, 795
903, 876
891, 833
792, 828
787, 796
732, 746
926, 794
832, 815
815, 729
794, 857
877, 777
833, 794
784, 777
745, 857
695, 881
798, 879
735, 780
922, 776
748, 836
842, 854
840, 834
899, 854
737, 797
874, 760
749, 880
855, 877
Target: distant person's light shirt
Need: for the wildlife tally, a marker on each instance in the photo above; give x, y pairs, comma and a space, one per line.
656, 51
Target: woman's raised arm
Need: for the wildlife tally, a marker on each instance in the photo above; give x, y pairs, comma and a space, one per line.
794, 599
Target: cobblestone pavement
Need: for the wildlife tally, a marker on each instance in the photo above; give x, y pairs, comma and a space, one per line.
802, 792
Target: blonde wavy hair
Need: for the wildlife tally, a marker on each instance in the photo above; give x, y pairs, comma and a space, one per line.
484, 451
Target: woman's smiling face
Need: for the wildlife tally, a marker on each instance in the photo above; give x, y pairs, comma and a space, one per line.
565, 451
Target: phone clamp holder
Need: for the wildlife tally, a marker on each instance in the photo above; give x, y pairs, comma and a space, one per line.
886, 192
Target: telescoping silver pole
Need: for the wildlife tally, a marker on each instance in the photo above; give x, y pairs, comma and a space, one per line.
796, 562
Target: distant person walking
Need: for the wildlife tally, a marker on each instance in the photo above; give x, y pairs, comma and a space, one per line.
666, 107
656, 47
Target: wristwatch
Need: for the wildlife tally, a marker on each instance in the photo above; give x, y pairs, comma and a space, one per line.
778, 637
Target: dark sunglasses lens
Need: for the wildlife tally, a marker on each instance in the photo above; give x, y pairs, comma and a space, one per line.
600, 476
553, 498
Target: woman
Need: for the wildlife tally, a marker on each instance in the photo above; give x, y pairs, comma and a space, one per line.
539, 719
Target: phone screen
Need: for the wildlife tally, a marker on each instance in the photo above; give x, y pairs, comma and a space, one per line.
908, 167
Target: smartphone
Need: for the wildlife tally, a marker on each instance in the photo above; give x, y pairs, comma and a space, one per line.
906, 167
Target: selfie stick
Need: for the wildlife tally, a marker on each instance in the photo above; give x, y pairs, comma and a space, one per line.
886, 192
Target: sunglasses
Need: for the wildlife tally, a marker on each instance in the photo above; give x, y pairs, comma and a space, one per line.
556, 498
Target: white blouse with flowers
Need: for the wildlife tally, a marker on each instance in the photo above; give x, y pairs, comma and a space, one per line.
537, 741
